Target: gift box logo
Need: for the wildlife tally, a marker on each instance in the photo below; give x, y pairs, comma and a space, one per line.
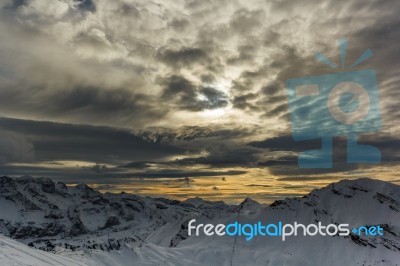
339, 104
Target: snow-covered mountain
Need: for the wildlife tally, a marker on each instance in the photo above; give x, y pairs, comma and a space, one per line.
45, 214
124, 229
13, 253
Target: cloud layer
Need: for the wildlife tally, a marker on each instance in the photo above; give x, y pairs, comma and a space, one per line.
179, 86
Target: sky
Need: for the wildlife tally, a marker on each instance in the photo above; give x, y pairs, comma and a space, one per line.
184, 98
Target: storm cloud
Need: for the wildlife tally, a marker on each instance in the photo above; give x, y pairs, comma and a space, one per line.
56, 141
180, 88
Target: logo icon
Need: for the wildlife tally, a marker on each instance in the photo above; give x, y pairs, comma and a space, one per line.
338, 104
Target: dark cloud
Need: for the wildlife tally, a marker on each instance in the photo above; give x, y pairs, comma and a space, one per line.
307, 178
283, 164
183, 57
138, 165
179, 174
220, 155
90, 39
101, 175
142, 65
17, 3
387, 144
213, 98
15, 147
246, 54
180, 90
179, 25
248, 81
218, 147
188, 96
245, 21
269, 100
101, 102
56, 141
207, 78
192, 133
176, 85
88, 103
243, 102
86, 5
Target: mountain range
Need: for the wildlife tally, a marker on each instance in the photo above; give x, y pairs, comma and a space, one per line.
77, 225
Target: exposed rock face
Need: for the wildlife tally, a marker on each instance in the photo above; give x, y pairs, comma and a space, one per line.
48, 186
181, 235
111, 221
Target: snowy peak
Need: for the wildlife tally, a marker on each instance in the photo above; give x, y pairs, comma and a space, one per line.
36, 210
118, 227
357, 202
349, 188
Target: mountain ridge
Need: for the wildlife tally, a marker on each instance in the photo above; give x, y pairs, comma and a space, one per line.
79, 220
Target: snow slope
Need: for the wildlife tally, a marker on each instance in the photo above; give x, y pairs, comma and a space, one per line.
123, 229
15, 253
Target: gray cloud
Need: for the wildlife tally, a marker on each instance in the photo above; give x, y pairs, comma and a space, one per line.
14, 147
257, 39
284, 164
213, 98
191, 133
143, 65
189, 96
184, 57
56, 141
86, 5
246, 21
